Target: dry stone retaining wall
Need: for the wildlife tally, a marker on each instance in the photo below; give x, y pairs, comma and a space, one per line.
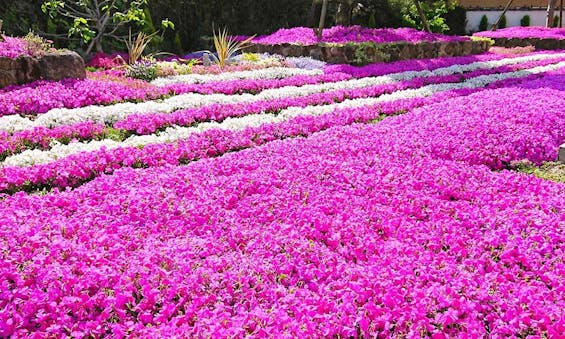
538, 43
365, 53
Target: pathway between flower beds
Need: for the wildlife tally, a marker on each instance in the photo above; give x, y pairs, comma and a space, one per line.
399, 228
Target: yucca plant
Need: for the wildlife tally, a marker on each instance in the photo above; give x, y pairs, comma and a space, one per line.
226, 46
137, 46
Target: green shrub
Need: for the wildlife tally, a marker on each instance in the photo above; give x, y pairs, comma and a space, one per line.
525, 21
502, 22
37, 45
556, 21
483, 25
143, 69
456, 19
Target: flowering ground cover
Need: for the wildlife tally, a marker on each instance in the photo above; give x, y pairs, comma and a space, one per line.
343, 202
525, 32
72, 164
13, 47
341, 34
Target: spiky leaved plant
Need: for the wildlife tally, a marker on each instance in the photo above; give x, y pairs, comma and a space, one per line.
226, 46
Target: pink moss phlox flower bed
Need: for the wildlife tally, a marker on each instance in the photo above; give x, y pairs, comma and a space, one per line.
329, 236
73, 170
333, 73
13, 47
354, 34
41, 137
107, 61
41, 96
149, 123
525, 33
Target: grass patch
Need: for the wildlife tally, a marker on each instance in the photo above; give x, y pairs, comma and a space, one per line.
554, 171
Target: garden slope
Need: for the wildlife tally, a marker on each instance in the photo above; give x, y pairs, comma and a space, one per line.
368, 229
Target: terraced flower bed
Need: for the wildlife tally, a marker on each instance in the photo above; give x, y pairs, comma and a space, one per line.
357, 45
539, 37
338, 201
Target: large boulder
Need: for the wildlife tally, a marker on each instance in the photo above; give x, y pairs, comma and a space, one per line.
18, 71
62, 65
50, 66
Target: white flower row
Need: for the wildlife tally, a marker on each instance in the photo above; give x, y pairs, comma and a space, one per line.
172, 134
265, 73
113, 113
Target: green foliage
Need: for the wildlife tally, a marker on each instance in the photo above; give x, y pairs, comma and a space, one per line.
80, 28
177, 44
435, 12
502, 22
114, 134
456, 19
367, 52
252, 57
525, 21
144, 70
245, 17
226, 46
37, 45
483, 24
377, 14
93, 21
20, 17
372, 21
482, 38
554, 171
137, 46
556, 21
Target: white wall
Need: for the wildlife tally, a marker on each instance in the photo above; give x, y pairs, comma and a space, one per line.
513, 17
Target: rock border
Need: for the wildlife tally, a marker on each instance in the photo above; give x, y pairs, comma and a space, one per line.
365, 53
50, 66
561, 156
538, 43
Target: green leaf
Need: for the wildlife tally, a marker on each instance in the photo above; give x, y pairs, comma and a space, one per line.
167, 24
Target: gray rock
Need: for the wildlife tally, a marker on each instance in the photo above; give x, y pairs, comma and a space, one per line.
62, 65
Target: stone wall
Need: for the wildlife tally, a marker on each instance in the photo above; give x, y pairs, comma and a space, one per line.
536, 42
50, 66
359, 54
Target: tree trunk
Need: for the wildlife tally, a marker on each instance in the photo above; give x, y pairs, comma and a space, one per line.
312, 14
1, 35
550, 12
561, 14
96, 44
422, 15
495, 25
343, 16
322, 19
